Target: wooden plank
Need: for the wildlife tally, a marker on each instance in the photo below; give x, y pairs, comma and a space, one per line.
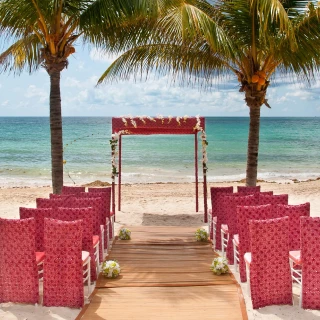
163, 279
188, 303
165, 275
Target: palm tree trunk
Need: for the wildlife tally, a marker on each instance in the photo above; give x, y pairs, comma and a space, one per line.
253, 146
56, 132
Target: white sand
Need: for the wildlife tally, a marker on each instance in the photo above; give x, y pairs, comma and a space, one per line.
159, 204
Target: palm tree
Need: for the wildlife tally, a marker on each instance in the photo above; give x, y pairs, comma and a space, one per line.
200, 41
43, 34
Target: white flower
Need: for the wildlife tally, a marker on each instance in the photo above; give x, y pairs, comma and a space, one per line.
110, 269
115, 136
124, 120
142, 119
151, 119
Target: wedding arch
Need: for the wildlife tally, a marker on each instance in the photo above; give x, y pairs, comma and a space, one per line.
146, 125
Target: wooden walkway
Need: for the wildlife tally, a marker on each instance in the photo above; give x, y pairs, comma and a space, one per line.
165, 275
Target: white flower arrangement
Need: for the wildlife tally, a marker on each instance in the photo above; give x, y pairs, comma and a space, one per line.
219, 266
111, 269
201, 235
124, 234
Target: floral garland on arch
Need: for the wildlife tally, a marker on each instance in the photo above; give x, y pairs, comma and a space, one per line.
204, 144
143, 119
114, 152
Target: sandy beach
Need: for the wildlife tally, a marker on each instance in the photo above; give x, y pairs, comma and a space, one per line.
160, 204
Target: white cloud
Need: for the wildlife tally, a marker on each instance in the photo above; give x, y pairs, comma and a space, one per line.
157, 95
72, 82
34, 92
101, 56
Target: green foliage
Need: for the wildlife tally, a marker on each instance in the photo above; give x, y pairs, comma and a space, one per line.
198, 42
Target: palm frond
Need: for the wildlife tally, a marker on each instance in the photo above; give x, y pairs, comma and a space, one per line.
198, 63
22, 55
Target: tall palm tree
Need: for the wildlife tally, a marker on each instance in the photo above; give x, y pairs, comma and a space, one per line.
43, 34
200, 41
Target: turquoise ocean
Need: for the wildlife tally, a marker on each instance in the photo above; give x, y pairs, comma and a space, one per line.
289, 149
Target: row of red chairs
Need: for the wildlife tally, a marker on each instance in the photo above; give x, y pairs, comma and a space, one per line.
261, 231
55, 242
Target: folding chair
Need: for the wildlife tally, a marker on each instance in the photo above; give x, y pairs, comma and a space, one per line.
267, 264
105, 218
248, 190
72, 189
242, 242
212, 221
66, 265
18, 267
231, 203
109, 213
273, 199
309, 262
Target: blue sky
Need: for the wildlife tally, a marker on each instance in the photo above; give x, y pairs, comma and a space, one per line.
28, 95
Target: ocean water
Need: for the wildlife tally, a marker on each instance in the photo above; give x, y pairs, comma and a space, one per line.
289, 149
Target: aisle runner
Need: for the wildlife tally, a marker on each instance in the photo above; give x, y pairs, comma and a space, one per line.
165, 274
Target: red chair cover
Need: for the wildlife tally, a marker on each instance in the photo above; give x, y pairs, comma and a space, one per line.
62, 277
294, 212
221, 215
273, 199
38, 214
105, 214
54, 203
84, 214
214, 205
59, 196
247, 189
106, 205
310, 257
270, 277
245, 214
72, 190
104, 189
18, 267
98, 206
230, 204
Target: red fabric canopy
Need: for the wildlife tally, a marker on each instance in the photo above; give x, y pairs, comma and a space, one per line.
166, 125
